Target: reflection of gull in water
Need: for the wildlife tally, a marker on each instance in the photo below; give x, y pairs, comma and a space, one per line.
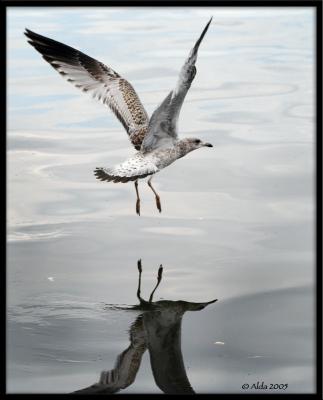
158, 329
155, 138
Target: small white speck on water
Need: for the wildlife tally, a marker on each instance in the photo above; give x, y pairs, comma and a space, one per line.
221, 343
51, 279
255, 357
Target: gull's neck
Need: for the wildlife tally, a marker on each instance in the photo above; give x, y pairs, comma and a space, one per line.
183, 147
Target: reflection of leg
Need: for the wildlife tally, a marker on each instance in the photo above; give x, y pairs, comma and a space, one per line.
160, 273
139, 283
138, 198
156, 194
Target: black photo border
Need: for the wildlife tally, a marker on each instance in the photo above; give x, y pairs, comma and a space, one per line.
317, 4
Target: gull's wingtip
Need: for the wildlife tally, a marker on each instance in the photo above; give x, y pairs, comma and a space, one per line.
28, 32
197, 44
30, 35
34, 37
208, 24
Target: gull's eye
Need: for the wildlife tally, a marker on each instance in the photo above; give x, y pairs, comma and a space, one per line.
197, 141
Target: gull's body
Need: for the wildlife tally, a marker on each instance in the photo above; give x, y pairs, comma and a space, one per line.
156, 139
157, 329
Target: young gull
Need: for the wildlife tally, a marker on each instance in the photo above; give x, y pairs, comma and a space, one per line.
155, 139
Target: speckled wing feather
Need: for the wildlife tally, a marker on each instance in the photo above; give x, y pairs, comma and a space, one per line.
126, 366
133, 168
162, 129
101, 81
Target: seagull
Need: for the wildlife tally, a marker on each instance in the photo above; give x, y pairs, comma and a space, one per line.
158, 329
156, 138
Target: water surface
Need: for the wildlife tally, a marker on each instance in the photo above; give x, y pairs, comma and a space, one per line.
237, 222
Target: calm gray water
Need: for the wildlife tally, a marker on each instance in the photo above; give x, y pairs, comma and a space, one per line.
237, 222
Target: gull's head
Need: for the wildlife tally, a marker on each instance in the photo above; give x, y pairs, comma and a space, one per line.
190, 144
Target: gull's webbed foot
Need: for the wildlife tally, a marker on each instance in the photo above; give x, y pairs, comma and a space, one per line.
156, 195
158, 204
138, 207
138, 198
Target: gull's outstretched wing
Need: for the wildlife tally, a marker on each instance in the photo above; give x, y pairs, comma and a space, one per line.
126, 366
164, 345
101, 81
162, 129
130, 170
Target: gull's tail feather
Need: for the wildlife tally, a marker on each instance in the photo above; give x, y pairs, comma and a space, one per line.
103, 175
135, 167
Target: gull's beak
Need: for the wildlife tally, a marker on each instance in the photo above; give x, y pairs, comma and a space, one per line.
208, 145
199, 306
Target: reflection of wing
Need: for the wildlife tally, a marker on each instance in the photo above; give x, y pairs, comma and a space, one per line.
100, 80
163, 123
164, 345
126, 366
130, 170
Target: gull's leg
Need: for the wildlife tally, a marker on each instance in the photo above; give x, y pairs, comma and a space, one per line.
160, 273
138, 198
156, 194
139, 282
